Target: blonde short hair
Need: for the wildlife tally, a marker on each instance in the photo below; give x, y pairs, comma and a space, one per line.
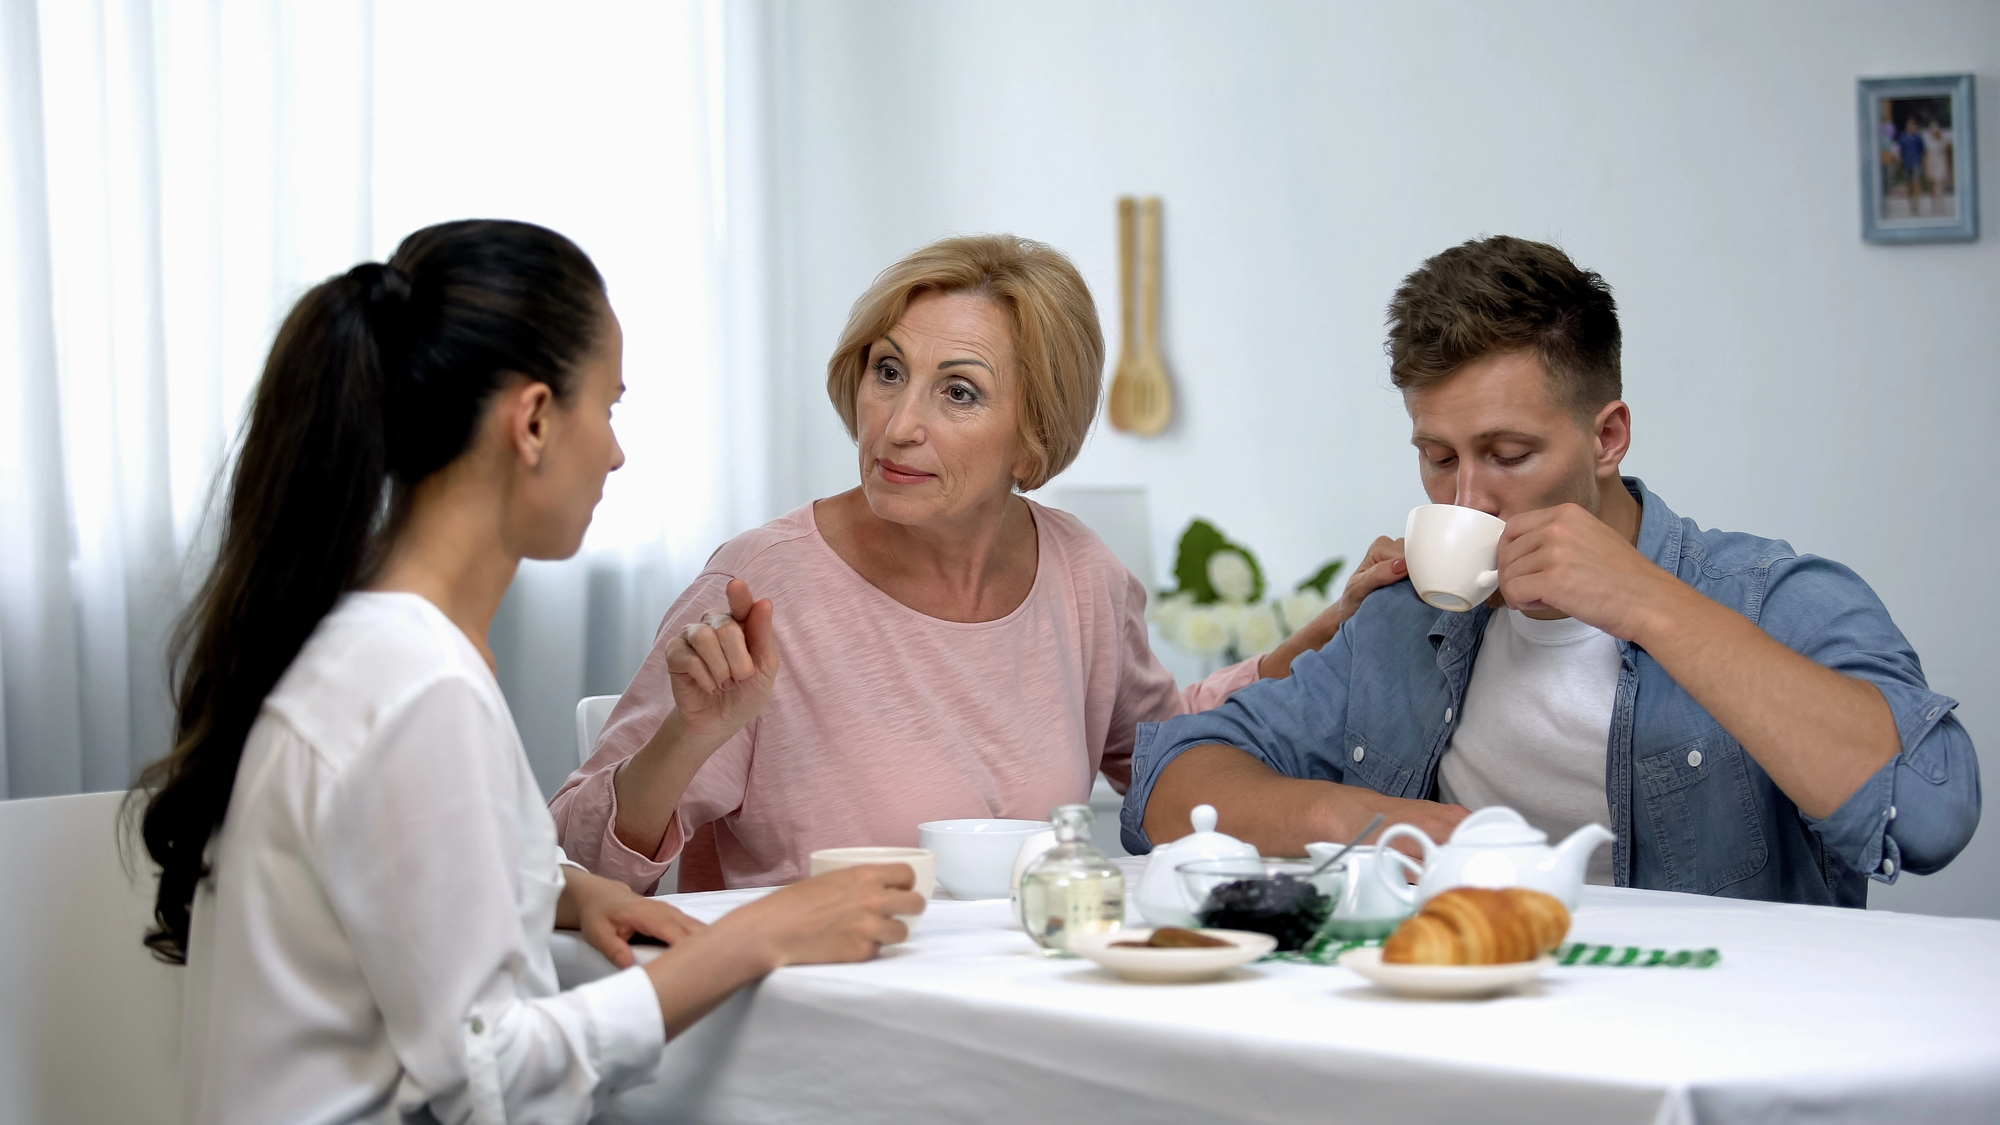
1058, 346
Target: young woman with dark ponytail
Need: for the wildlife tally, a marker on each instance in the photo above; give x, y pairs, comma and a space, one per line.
355, 861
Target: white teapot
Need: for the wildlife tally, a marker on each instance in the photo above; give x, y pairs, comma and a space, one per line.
1161, 898
1495, 847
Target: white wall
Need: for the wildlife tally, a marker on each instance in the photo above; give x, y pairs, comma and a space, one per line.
1785, 377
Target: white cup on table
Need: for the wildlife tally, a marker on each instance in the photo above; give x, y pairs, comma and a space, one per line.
921, 861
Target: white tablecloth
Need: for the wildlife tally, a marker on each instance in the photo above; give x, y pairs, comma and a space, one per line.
1814, 1014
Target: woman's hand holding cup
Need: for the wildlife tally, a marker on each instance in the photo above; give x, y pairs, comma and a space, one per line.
844, 915
722, 667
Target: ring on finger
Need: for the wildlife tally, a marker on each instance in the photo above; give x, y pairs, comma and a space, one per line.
717, 618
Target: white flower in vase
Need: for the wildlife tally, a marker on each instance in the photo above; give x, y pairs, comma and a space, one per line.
1231, 616
1166, 612
1210, 614
1229, 572
1298, 610
1202, 630
1258, 631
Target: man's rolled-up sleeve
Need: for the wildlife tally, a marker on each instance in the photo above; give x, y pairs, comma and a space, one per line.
1291, 725
1920, 809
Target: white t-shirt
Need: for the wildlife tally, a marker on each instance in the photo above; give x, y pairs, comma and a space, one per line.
1536, 725
373, 941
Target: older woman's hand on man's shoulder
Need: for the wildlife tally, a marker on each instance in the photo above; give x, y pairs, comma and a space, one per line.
1383, 566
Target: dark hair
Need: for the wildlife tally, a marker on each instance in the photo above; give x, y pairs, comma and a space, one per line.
376, 381
1504, 294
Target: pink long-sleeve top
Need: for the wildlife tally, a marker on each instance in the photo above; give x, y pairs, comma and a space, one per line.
883, 718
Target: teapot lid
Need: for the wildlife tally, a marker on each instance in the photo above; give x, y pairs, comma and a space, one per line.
1205, 842
1497, 826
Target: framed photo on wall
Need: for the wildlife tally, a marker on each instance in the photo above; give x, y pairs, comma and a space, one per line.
1919, 170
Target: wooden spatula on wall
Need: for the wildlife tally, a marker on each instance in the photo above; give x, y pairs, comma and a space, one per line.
1142, 401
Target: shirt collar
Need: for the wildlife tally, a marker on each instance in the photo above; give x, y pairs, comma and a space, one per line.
1452, 634
1659, 527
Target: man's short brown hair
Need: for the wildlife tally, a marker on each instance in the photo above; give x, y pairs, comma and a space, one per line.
1502, 294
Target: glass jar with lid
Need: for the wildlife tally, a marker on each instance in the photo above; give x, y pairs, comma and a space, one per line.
1073, 888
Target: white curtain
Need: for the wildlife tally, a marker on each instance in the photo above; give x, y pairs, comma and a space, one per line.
178, 172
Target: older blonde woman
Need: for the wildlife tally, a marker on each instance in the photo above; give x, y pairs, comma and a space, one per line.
950, 648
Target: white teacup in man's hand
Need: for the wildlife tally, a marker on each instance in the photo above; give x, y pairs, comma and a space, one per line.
1453, 555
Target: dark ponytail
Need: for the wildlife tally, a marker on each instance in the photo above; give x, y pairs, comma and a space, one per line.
377, 380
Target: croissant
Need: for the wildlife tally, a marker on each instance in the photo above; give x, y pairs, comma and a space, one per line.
1424, 940
1476, 926
1546, 915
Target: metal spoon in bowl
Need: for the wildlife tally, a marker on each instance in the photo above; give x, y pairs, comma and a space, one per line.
1329, 861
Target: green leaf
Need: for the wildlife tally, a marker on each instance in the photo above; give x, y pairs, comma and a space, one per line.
1200, 540
1322, 580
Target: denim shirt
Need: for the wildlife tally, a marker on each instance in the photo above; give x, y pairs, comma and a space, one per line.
1375, 707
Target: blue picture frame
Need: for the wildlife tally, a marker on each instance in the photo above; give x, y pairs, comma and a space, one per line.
1919, 159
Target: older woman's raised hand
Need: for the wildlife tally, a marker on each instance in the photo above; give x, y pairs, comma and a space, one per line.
723, 666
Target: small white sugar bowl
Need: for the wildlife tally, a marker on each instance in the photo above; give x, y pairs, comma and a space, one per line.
1161, 898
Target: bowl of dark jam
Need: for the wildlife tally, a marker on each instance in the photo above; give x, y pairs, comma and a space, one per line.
1280, 897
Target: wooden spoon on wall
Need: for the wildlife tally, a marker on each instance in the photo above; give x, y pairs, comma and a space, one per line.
1149, 398
1116, 409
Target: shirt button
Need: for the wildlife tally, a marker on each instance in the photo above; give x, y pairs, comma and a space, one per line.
1358, 752
1888, 867
478, 1026
1447, 714
1933, 713
1694, 757
1892, 812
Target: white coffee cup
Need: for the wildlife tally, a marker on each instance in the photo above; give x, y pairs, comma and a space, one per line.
921, 861
975, 858
1453, 555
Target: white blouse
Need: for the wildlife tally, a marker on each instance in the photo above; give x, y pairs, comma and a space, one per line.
373, 942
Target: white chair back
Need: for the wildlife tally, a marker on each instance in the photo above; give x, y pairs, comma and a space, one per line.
1119, 516
591, 711
89, 1022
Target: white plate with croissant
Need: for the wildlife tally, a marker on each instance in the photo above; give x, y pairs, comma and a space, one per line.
1467, 942
1442, 982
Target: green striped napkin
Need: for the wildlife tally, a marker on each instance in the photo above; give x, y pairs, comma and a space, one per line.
1633, 957
1322, 950
1325, 950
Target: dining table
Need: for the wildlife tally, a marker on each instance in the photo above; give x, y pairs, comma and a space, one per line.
1809, 1013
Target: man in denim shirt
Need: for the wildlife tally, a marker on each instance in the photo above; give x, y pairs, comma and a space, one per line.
1747, 719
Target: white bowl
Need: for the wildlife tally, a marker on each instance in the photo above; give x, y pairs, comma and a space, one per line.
975, 858
1170, 966
1442, 982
